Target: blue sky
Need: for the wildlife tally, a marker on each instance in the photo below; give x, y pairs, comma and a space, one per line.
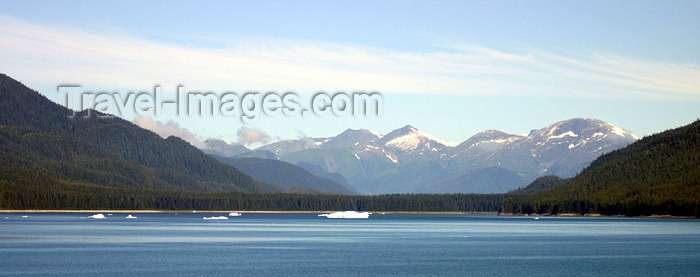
448, 68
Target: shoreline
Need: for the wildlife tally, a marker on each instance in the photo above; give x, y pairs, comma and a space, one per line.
600, 215
225, 211
328, 211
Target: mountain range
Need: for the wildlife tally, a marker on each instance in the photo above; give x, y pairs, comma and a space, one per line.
51, 161
408, 160
38, 137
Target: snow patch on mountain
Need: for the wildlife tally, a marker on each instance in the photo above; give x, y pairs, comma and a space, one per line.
375, 133
618, 131
439, 140
569, 133
414, 138
405, 143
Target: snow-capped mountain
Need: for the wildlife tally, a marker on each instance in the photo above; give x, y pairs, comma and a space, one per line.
407, 160
286, 147
483, 143
576, 134
351, 138
409, 141
565, 147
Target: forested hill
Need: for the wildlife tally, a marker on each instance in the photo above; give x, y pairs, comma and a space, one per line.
659, 174
43, 151
540, 184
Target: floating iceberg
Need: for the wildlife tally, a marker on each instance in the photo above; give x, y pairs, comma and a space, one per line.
130, 216
97, 216
234, 214
215, 218
347, 214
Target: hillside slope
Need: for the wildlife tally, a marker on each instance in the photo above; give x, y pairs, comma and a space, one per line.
659, 174
42, 148
284, 174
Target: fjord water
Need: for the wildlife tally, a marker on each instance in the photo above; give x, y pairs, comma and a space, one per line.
168, 244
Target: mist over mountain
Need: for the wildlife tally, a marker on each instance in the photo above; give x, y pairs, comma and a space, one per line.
224, 149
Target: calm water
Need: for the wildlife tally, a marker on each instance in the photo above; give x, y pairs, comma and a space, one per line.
304, 244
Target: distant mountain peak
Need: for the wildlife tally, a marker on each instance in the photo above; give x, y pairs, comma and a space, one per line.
409, 128
493, 134
350, 138
489, 141
408, 139
351, 131
587, 127
405, 130
493, 131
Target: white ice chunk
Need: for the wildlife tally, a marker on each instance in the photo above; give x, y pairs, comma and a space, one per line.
215, 218
347, 214
97, 216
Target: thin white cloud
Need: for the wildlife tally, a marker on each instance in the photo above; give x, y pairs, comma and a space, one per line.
170, 128
55, 54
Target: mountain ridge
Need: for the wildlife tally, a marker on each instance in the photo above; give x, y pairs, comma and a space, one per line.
491, 161
369, 160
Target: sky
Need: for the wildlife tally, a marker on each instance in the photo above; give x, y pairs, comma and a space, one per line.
448, 68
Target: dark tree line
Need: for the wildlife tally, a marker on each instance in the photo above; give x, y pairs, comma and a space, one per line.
86, 196
659, 174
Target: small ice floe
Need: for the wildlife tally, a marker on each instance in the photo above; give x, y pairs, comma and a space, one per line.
97, 216
215, 218
130, 216
347, 214
234, 214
